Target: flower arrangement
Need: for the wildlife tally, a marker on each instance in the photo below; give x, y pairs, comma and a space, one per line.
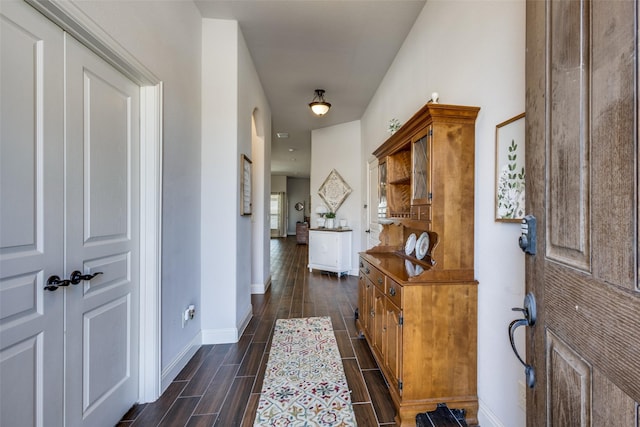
394, 125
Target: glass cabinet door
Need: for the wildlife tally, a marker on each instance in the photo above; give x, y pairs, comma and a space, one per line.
421, 189
382, 188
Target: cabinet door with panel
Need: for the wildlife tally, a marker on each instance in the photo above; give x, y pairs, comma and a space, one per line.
364, 287
393, 344
378, 321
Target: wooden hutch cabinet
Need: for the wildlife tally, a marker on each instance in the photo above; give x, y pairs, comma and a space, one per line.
417, 302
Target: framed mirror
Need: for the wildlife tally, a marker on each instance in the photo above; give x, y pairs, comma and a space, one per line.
299, 206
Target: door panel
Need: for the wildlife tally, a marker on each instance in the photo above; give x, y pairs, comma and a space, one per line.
102, 190
582, 185
569, 385
568, 160
31, 126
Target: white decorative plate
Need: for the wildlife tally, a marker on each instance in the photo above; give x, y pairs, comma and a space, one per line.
422, 246
408, 265
410, 245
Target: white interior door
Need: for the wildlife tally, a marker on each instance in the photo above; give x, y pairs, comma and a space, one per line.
31, 222
102, 217
68, 202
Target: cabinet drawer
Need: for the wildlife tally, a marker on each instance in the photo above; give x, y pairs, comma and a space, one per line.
394, 292
376, 277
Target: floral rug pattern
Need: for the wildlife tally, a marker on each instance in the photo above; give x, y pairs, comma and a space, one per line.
304, 383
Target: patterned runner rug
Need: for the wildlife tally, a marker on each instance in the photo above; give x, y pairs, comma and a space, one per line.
304, 384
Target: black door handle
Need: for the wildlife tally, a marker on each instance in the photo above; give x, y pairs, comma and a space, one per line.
77, 276
54, 282
529, 312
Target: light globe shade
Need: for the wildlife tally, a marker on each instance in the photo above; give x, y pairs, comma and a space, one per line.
320, 108
321, 210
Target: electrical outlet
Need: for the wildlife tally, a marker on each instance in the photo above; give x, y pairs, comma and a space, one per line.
522, 395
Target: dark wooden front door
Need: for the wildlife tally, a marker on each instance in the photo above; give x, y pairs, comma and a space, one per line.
582, 186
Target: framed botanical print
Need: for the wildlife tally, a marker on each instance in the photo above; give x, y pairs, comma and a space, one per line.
245, 185
510, 173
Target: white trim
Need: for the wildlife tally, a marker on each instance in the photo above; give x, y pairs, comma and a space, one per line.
261, 288
180, 361
248, 315
227, 335
73, 20
151, 242
219, 336
486, 417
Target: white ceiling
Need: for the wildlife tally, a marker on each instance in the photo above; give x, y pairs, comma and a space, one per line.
342, 46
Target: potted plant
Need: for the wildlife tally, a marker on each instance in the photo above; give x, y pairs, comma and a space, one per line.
330, 218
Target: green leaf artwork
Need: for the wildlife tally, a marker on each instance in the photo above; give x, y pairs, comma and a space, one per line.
511, 186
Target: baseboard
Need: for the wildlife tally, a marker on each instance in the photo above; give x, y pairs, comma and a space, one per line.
261, 288
180, 361
248, 315
227, 335
486, 417
220, 336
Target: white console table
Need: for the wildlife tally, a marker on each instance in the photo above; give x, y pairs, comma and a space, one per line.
330, 250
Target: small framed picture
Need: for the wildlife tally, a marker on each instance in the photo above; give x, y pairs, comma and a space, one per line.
245, 185
510, 169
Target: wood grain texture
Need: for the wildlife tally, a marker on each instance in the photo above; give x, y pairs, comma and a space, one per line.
569, 385
614, 142
568, 162
600, 321
582, 185
356, 383
611, 406
432, 352
451, 175
206, 371
213, 398
180, 412
154, 412
535, 155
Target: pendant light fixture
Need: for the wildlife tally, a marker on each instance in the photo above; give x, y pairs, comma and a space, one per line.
319, 106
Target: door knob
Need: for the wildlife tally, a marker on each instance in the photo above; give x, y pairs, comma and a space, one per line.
77, 277
529, 313
54, 282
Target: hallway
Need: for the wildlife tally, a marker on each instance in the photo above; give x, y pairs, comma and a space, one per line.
220, 386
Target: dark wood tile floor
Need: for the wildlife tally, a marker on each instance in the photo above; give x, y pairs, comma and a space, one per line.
220, 386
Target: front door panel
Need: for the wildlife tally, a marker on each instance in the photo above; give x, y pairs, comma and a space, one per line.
582, 185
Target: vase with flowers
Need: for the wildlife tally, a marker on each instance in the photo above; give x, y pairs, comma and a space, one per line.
330, 218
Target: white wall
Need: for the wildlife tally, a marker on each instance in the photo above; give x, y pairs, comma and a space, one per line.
253, 235
173, 56
219, 188
472, 53
338, 147
231, 98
